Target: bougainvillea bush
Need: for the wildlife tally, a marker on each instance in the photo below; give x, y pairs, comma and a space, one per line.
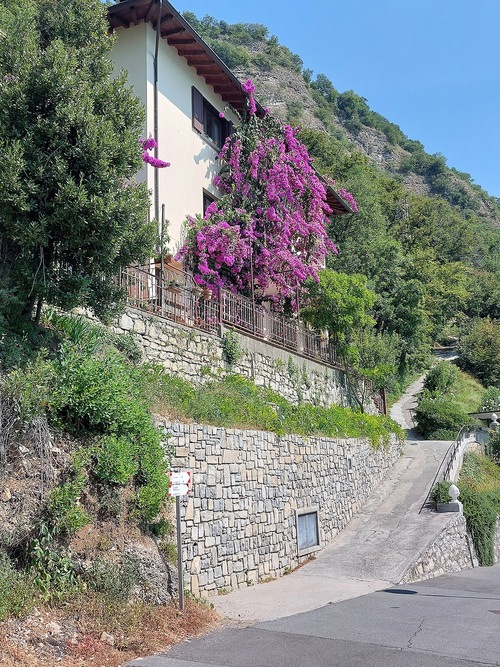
269, 228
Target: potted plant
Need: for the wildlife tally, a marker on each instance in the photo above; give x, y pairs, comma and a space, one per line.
174, 285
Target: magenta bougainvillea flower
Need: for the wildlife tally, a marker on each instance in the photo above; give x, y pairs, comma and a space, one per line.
148, 145
268, 231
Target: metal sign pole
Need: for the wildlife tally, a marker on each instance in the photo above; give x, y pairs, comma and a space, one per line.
179, 552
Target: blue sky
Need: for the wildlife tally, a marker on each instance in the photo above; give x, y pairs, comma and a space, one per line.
431, 66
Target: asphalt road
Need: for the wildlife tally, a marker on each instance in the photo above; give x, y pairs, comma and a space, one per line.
452, 620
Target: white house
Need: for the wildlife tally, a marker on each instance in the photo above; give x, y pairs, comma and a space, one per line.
184, 86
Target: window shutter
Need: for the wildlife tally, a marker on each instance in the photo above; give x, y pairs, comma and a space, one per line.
197, 110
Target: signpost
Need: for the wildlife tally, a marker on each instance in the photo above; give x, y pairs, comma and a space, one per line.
179, 486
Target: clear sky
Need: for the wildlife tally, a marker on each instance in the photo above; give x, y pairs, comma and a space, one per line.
431, 66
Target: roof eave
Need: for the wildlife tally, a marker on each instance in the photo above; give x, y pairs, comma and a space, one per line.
130, 12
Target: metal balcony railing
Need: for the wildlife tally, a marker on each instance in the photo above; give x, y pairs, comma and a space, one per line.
172, 293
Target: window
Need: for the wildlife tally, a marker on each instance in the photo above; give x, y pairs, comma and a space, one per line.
206, 120
307, 530
207, 200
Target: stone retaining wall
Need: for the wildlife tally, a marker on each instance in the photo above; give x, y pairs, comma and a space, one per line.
239, 524
497, 541
199, 357
451, 551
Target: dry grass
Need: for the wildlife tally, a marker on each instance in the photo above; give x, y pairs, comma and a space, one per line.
138, 630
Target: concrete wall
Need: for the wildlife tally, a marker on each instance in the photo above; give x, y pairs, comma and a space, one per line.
199, 357
192, 156
239, 521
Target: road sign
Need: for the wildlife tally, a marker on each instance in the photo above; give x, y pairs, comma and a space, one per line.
183, 477
178, 490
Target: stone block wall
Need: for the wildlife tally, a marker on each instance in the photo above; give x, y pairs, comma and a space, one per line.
198, 356
239, 521
497, 541
451, 551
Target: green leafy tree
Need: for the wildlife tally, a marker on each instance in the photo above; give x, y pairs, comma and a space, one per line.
70, 214
341, 305
479, 351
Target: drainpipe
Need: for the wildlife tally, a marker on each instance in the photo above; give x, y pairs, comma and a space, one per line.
155, 111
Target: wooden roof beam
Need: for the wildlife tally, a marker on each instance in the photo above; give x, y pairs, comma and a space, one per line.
175, 31
176, 41
118, 19
193, 52
210, 69
150, 12
134, 16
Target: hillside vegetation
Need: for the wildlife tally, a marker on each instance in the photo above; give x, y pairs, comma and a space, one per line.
85, 526
426, 236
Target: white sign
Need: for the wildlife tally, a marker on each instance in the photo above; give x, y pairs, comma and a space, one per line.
183, 477
179, 483
178, 490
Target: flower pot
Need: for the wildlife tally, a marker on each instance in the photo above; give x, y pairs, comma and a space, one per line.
207, 294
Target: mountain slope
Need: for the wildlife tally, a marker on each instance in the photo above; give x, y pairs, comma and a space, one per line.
283, 85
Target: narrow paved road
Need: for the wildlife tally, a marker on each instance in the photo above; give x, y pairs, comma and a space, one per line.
450, 621
375, 548
344, 608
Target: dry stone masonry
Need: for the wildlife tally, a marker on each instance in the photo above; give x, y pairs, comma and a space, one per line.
239, 523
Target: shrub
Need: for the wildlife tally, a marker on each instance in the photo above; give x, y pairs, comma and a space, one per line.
231, 347
17, 591
237, 402
479, 351
64, 513
102, 395
493, 445
116, 460
481, 515
29, 389
441, 377
440, 493
162, 528
232, 54
490, 400
434, 415
115, 580
51, 566
263, 62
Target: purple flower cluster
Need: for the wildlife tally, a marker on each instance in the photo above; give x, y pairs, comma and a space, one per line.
148, 145
271, 222
248, 88
342, 192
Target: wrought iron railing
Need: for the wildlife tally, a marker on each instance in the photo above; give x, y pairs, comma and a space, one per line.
173, 294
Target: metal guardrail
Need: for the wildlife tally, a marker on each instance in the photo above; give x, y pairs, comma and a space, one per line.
172, 293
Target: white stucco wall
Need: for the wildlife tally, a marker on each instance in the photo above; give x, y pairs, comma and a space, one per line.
192, 157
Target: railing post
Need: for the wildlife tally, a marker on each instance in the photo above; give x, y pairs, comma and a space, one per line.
221, 309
